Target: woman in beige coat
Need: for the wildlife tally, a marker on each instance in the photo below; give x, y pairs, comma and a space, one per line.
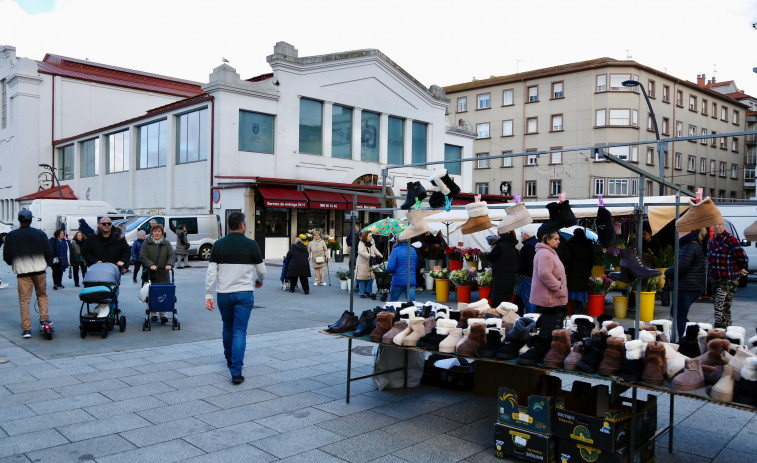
363, 274
318, 254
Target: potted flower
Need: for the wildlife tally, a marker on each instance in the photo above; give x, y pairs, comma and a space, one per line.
484, 280
463, 280
598, 288
646, 304
344, 278
471, 257
334, 246
441, 277
454, 257
662, 262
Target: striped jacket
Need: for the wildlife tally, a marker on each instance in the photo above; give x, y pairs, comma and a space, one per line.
232, 262
28, 251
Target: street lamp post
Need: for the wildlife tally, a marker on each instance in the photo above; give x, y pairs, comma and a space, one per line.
52, 171
660, 150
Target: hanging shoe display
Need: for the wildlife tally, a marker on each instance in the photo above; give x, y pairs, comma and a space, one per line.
700, 215
631, 263
605, 228
415, 192
516, 217
478, 218
417, 225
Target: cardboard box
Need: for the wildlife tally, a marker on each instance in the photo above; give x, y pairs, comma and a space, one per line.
490, 376
529, 446
531, 410
587, 416
574, 452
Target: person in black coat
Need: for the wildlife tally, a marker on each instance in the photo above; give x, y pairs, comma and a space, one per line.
298, 266
578, 270
692, 271
107, 245
504, 261
526, 265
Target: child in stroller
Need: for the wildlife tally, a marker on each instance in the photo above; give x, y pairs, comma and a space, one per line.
101, 285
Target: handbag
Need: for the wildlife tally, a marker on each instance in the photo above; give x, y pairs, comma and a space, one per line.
186, 246
320, 259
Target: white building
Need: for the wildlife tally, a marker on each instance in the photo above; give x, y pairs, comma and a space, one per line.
233, 144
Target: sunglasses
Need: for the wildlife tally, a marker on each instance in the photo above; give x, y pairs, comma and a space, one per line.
107, 224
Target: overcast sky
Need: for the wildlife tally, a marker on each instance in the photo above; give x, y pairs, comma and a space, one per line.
438, 42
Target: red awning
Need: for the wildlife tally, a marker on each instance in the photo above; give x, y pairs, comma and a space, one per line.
325, 200
283, 196
363, 202
51, 193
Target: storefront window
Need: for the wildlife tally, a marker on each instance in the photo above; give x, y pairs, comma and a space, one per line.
396, 148
255, 132
369, 136
309, 220
276, 223
311, 126
341, 132
419, 142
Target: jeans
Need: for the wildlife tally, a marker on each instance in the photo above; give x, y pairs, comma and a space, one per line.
685, 299
524, 290
235, 311
396, 291
182, 260
365, 287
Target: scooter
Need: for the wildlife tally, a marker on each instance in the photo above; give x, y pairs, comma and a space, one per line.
47, 330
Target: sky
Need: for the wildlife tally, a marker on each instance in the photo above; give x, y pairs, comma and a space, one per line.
438, 42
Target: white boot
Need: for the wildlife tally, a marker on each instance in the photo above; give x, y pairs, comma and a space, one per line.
450, 342
664, 326
404, 333
509, 312
674, 362
737, 362
723, 389
736, 334
418, 331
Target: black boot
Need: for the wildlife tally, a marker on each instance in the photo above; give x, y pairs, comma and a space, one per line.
539, 346
633, 265
593, 350
350, 323
436, 200
583, 329
346, 313
553, 224
565, 215
427, 337
689, 345
605, 228
365, 323
515, 339
551, 318
493, 343
451, 185
415, 191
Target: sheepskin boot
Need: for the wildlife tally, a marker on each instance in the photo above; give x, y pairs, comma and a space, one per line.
663, 329
737, 362
634, 366
581, 326
365, 323
552, 318
508, 312
442, 331
751, 344
571, 361
400, 337
594, 349
476, 340
465, 315
493, 343
723, 389
736, 334
515, 339
480, 305
466, 331
654, 364
538, 346
607, 325
712, 374
383, 325
418, 330
715, 333
615, 353
398, 327
448, 344
429, 324
700, 214
715, 351
441, 188
407, 313
745, 391
674, 360
559, 350
691, 378
689, 346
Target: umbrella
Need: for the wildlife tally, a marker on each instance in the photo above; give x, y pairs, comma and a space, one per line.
387, 226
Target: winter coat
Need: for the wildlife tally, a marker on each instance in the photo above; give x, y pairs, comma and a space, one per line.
112, 249
60, 250
136, 249
160, 255
548, 285
85, 228
75, 250
297, 261
181, 242
580, 263
526, 257
397, 265
504, 260
692, 266
363, 263
28, 251
318, 248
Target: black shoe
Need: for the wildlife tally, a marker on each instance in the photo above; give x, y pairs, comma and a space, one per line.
493, 343
437, 200
239, 379
154, 318
61, 287
539, 346
77, 285
631, 262
163, 320
365, 323
350, 323
346, 313
26, 334
363, 296
55, 287
307, 292
414, 191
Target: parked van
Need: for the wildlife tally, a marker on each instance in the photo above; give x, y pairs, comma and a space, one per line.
46, 212
202, 230
739, 218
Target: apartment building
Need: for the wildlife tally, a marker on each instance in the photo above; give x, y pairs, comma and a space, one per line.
584, 104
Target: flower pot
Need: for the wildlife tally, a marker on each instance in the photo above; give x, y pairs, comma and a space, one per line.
596, 305
646, 311
597, 271
484, 292
620, 305
455, 265
463, 293
661, 279
338, 257
619, 284
344, 285
429, 281
432, 263
442, 290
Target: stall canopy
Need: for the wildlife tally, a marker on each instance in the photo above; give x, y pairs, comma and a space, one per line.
282, 196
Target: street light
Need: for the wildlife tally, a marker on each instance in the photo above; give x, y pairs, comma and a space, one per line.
48, 166
660, 151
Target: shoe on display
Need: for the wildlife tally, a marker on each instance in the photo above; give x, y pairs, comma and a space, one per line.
348, 324
571, 361
415, 191
450, 342
699, 215
383, 325
691, 378
634, 366
418, 327
559, 350
515, 339
397, 328
689, 345
614, 356
635, 268
723, 389
745, 391
346, 313
538, 346
654, 364
476, 339
365, 323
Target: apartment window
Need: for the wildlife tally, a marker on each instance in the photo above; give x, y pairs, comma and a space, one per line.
532, 125
557, 123
89, 156
650, 156
692, 132
3, 105
556, 157
666, 94
462, 104
601, 117
507, 162
370, 128
484, 101
703, 141
395, 153
118, 152
624, 117
721, 194
533, 93
453, 153
723, 113
482, 188
531, 189
702, 165
712, 193
507, 97
712, 169
714, 110
557, 90
420, 141
627, 153
714, 140
650, 89
602, 82
692, 103
679, 98
704, 106
152, 145
735, 145
599, 186
734, 171
507, 128
649, 188
482, 163
722, 143
482, 130
616, 82
256, 132
532, 159
341, 133
749, 173
665, 126
66, 162
634, 187
679, 129
678, 161
192, 137
692, 164
736, 118
555, 187
598, 154
723, 167
617, 187
311, 126
650, 123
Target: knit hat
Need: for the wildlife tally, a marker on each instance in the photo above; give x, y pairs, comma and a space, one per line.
478, 218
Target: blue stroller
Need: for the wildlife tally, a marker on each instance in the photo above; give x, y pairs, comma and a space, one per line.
101, 284
161, 298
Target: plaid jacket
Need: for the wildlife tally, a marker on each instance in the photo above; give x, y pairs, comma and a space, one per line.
725, 257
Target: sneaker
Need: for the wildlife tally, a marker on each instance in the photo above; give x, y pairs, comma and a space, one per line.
26, 334
239, 379
80, 286
154, 318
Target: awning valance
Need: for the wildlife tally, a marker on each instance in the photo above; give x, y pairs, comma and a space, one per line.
363, 202
283, 196
325, 200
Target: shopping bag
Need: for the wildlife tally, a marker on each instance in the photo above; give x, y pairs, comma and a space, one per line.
70, 273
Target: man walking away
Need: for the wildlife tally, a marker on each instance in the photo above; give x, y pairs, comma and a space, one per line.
28, 251
727, 261
231, 265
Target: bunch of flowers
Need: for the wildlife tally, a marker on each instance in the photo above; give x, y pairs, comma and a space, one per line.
613, 253
380, 268
343, 274
453, 253
331, 243
463, 277
441, 274
306, 238
600, 285
485, 279
470, 253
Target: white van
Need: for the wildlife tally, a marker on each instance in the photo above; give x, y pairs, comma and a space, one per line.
5, 228
70, 223
46, 212
738, 218
202, 230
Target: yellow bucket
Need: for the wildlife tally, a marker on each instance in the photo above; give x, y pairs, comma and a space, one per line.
620, 304
442, 290
646, 311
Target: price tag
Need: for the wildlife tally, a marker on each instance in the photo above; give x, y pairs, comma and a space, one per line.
520, 441
437, 268
461, 244
524, 417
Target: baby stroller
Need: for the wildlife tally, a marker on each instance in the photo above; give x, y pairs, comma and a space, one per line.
100, 289
161, 297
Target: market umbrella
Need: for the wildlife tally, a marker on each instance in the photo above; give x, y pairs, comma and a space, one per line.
387, 226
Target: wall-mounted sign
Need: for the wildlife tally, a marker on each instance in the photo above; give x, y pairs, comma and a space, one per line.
216, 196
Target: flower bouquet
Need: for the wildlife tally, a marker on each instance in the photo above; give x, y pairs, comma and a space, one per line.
600, 285
332, 244
453, 253
485, 279
470, 253
441, 274
463, 277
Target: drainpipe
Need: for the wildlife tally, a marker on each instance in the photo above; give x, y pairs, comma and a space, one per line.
52, 126
212, 145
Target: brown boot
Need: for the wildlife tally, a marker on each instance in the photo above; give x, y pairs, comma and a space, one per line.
691, 378
465, 315
715, 333
560, 349
615, 354
712, 374
398, 327
476, 340
574, 357
654, 364
383, 325
716, 348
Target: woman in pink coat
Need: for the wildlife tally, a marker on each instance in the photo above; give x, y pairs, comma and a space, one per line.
549, 285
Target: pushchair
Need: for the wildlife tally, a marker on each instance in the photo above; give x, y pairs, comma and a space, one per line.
161, 297
383, 285
101, 284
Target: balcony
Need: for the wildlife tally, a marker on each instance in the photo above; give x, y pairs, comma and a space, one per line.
750, 139
461, 130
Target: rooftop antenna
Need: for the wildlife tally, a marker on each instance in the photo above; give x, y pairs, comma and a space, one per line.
628, 54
